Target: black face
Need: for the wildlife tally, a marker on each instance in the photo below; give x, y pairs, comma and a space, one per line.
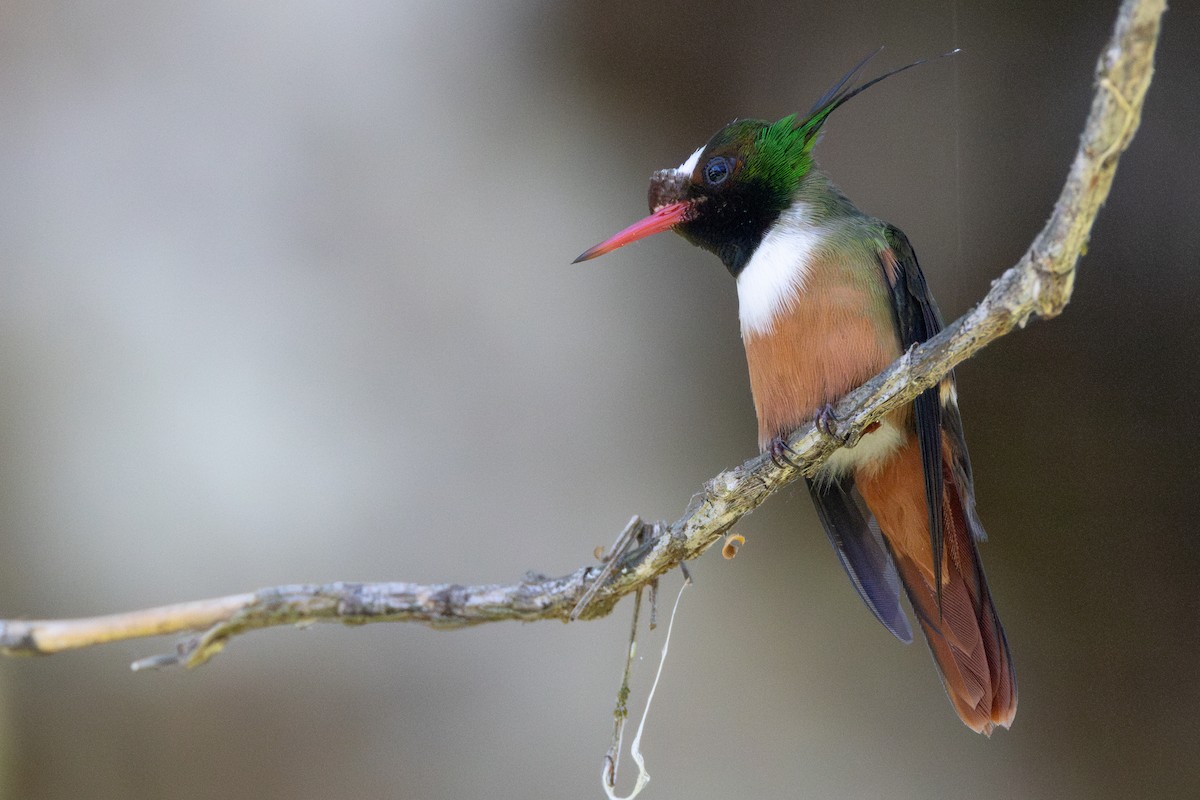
729, 215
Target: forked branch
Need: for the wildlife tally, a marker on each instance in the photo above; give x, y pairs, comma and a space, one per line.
1039, 285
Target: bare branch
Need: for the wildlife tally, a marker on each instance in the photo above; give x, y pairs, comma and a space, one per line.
1040, 284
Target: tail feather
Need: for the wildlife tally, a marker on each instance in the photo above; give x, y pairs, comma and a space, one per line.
966, 638
968, 646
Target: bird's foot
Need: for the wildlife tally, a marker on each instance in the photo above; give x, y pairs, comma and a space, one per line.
781, 453
825, 420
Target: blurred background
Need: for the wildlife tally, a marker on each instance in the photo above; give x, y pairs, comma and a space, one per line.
286, 295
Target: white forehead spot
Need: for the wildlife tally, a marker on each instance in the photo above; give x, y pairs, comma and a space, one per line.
774, 277
689, 166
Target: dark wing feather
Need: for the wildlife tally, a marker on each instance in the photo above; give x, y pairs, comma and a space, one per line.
960, 460
861, 549
918, 319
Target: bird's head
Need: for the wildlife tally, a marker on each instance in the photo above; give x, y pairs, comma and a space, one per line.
728, 193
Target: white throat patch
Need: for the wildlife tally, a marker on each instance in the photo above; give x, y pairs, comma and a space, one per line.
775, 275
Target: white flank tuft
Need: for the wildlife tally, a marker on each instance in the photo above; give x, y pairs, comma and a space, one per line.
872, 450
775, 274
948, 392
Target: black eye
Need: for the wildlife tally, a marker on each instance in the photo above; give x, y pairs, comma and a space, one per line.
717, 170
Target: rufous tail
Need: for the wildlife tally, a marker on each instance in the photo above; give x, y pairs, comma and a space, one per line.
966, 638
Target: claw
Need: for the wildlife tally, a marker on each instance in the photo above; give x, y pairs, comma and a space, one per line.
780, 451
826, 421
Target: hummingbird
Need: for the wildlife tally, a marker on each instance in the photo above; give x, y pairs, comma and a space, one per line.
827, 298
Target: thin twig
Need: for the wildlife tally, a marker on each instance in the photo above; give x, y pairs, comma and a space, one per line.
1039, 285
